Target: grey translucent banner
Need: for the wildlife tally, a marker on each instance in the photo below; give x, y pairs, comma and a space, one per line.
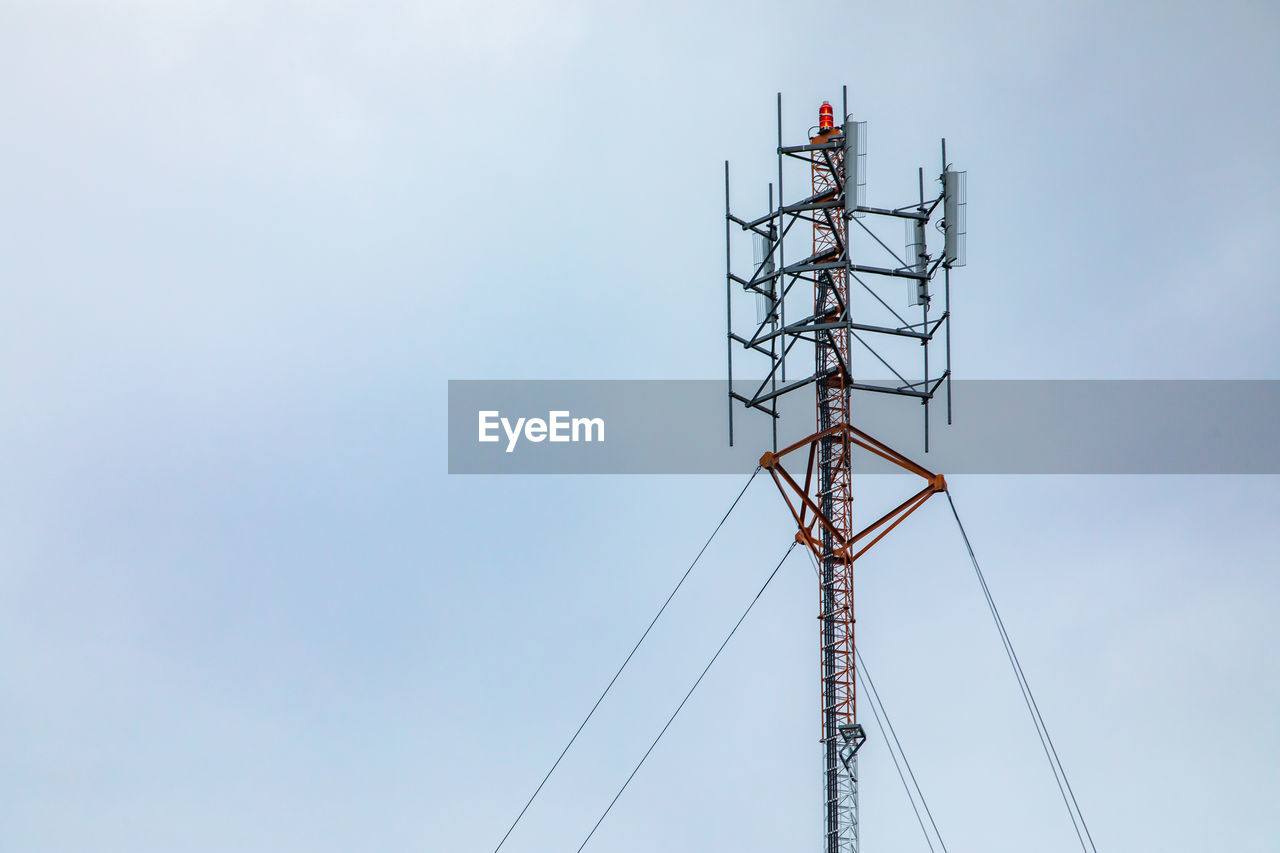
998, 427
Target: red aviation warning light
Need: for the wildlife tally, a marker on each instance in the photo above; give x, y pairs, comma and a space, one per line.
826, 120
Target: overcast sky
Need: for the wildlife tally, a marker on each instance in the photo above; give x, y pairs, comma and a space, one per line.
244, 246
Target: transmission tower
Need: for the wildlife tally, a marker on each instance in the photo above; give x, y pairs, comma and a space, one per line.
834, 316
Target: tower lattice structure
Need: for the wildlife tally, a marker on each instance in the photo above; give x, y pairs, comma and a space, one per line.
835, 487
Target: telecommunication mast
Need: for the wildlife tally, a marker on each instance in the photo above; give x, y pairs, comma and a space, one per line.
845, 283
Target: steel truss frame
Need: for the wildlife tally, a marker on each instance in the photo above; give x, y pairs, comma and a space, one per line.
809, 515
828, 210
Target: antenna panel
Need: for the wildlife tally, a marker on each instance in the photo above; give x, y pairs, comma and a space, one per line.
763, 254
855, 164
956, 230
917, 261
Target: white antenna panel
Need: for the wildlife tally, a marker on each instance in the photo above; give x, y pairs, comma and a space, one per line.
917, 259
855, 166
764, 262
954, 188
